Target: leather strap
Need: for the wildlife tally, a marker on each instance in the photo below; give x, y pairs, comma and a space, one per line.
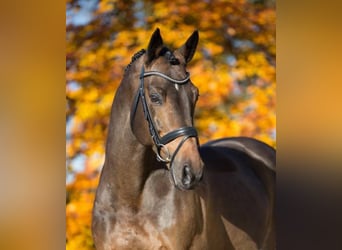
151, 73
189, 131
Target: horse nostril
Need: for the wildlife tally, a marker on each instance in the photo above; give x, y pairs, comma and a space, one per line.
188, 176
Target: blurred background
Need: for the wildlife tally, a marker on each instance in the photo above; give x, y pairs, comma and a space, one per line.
234, 69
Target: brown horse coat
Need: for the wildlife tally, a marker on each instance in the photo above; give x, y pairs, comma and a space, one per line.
139, 206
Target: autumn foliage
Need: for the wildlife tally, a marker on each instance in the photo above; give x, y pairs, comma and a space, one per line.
234, 69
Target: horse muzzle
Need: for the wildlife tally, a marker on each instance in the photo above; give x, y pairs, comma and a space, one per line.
190, 178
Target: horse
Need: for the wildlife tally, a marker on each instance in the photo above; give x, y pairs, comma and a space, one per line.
158, 188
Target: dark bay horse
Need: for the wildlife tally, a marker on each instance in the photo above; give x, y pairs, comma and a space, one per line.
158, 189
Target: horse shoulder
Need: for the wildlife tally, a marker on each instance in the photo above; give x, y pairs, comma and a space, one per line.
235, 154
253, 148
241, 171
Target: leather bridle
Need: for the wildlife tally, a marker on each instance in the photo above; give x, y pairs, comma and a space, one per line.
160, 142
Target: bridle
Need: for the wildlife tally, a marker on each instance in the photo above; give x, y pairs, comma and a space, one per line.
160, 142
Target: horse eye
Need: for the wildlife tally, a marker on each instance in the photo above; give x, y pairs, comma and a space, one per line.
156, 98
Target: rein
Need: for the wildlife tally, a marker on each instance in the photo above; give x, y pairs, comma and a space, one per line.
160, 142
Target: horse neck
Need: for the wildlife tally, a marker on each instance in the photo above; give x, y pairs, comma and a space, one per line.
128, 162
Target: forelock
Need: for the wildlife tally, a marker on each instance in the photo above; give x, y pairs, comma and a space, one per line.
167, 53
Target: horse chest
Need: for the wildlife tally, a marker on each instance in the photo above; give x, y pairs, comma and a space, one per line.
168, 213
135, 233
165, 219
154, 227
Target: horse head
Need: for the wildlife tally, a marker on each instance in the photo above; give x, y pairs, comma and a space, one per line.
163, 109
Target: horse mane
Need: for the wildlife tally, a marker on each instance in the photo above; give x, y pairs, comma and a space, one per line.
166, 52
135, 57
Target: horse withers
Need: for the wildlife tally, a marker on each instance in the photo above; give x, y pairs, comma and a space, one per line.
158, 188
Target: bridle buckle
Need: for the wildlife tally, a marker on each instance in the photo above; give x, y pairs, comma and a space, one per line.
159, 157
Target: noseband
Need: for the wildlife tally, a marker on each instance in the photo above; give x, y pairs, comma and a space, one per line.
160, 142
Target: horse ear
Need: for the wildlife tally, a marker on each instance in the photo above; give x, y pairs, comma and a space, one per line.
189, 48
154, 46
